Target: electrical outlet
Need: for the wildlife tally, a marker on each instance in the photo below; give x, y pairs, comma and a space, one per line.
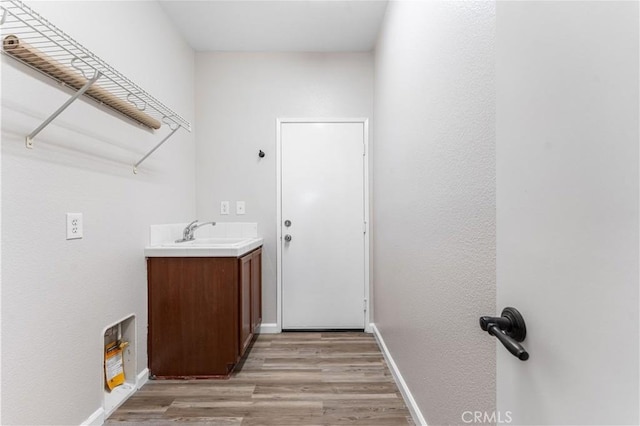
240, 207
224, 207
74, 226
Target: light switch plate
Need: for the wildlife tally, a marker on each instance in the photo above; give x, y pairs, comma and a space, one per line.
224, 207
74, 226
240, 207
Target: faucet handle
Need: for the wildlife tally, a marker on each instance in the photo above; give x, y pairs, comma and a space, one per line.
192, 223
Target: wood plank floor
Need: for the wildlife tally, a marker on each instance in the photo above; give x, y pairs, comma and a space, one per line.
286, 379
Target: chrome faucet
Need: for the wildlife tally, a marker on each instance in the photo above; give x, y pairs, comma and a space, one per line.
187, 232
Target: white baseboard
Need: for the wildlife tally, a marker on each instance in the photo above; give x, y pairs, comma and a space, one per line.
96, 419
418, 419
269, 328
143, 377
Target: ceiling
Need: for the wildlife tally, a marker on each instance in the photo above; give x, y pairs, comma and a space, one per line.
278, 26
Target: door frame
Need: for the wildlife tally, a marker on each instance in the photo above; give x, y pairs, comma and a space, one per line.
279, 122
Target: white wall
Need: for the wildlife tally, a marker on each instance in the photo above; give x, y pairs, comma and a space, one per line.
434, 201
58, 295
239, 96
567, 209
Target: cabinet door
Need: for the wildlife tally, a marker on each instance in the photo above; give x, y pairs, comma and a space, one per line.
193, 311
245, 303
256, 290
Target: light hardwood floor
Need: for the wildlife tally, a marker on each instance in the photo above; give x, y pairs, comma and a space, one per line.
286, 379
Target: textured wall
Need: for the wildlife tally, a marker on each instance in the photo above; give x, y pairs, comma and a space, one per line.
434, 201
567, 175
239, 96
58, 295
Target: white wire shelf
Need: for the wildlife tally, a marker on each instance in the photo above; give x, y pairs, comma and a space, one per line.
34, 41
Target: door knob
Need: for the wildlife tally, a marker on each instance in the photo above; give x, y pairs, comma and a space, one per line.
509, 329
287, 223
287, 238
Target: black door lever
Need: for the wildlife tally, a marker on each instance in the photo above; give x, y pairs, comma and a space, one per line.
509, 329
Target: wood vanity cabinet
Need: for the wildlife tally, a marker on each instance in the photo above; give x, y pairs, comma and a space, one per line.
203, 313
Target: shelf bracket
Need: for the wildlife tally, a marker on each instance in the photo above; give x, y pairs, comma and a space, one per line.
173, 130
29, 139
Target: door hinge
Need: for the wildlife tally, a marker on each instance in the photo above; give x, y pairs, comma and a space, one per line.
364, 150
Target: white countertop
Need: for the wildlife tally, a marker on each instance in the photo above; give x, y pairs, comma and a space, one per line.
205, 247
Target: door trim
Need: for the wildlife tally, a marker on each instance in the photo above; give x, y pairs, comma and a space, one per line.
367, 227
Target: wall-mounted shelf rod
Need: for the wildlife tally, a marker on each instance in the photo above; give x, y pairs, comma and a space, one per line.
35, 42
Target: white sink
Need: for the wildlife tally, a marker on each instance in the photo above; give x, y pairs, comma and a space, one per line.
205, 247
209, 242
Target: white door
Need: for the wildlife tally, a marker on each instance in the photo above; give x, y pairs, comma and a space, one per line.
567, 210
322, 193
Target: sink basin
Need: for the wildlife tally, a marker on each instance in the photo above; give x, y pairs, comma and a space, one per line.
207, 242
205, 247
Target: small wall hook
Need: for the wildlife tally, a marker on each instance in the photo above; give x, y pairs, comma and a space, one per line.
261, 154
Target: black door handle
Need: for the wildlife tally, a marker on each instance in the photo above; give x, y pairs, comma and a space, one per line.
509, 329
